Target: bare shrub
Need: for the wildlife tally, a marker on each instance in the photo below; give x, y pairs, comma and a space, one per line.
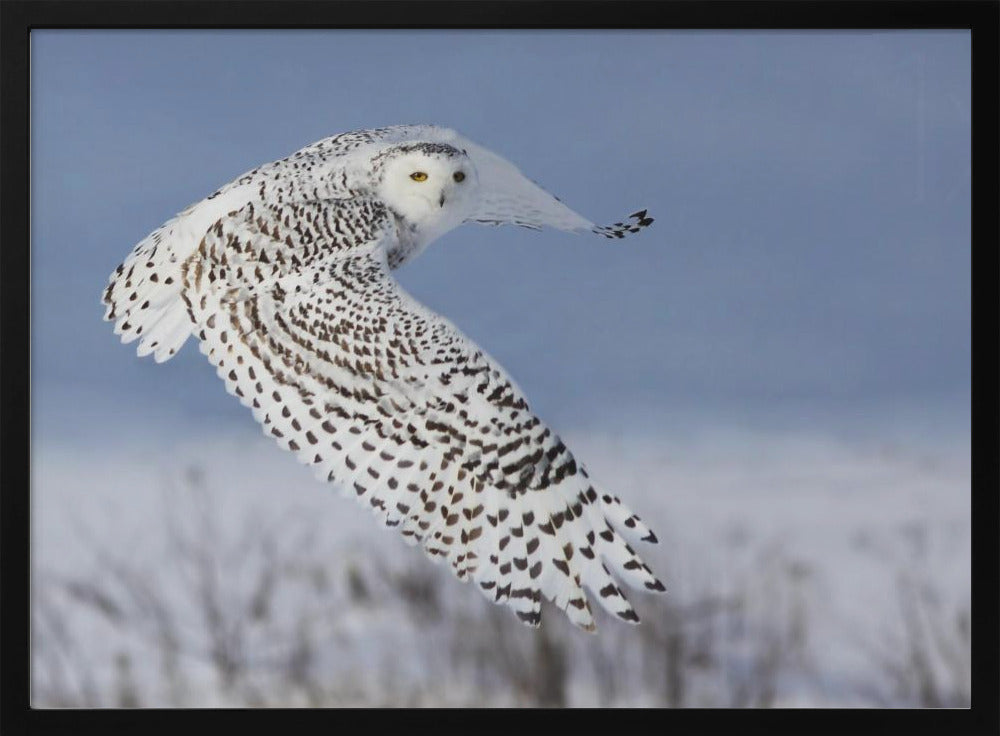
256, 613
925, 659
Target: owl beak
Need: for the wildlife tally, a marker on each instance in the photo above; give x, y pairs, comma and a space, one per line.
441, 200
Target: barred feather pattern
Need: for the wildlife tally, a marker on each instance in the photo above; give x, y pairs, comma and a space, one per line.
284, 276
142, 296
300, 315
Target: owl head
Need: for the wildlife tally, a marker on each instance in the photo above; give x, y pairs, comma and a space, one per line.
431, 187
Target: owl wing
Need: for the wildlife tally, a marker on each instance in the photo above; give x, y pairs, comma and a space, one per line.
508, 196
142, 293
511, 198
142, 296
296, 307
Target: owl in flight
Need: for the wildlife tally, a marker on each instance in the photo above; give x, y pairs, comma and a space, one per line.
285, 277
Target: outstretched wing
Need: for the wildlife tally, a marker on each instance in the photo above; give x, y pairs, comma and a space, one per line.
511, 198
296, 307
142, 294
508, 196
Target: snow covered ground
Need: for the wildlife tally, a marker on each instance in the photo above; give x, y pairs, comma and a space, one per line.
802, 570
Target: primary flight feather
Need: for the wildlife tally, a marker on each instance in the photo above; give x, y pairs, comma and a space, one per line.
284, 276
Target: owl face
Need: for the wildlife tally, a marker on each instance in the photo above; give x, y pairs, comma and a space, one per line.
430, 187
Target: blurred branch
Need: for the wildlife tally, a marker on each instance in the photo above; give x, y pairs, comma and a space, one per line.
251, 612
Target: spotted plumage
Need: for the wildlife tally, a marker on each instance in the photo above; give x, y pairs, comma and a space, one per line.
284, 277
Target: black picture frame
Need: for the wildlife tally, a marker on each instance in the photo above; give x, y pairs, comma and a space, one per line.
982, 17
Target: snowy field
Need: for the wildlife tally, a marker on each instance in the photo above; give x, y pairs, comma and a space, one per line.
803, 569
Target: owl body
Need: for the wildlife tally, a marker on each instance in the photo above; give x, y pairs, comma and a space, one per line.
284, 277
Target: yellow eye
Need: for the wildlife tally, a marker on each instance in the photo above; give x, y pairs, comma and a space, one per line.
418, 176
458, 176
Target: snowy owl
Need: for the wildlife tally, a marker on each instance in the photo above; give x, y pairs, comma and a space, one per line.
284, 276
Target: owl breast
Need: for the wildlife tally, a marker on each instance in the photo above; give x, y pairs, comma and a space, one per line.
400, 253
409, 242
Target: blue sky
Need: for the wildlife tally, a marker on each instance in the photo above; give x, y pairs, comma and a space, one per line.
810, 258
